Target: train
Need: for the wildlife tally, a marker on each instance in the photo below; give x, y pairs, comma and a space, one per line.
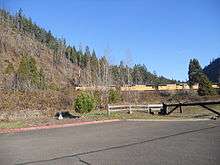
161, 87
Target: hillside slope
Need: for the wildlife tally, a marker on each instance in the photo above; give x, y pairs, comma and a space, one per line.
213, 71
14, 44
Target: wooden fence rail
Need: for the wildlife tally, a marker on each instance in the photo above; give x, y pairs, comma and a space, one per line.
151, 108
165, 110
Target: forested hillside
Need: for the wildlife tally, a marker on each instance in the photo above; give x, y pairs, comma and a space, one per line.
33, 58
213, 71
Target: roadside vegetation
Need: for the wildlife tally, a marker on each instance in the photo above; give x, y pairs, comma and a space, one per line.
194, 112
84, 103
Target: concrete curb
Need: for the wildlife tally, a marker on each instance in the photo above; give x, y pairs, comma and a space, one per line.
14, 130
167, 119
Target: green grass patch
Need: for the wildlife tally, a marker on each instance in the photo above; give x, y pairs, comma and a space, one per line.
195, 112
11, 124
102, 115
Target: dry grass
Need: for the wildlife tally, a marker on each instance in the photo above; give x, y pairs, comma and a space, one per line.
12, 124
47, 103
195, 112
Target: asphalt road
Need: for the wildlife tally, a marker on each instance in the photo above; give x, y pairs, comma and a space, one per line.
191, 142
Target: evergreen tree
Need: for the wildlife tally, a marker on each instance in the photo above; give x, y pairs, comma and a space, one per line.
19, 17
196, 75
94, 68
28, 75
195, 72
205, 86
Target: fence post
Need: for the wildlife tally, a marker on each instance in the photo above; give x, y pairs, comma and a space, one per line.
129, 109
108, 110
164, 109
181, 111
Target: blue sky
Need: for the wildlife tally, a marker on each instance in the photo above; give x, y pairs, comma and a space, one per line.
162, 34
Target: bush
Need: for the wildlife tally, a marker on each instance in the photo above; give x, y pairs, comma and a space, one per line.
97, 97
205, 87
29, 76
84, 103
113, 96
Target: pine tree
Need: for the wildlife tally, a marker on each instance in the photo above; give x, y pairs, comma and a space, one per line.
196, 75
195, 72
94, 68
205, 86
19, 17
28, 75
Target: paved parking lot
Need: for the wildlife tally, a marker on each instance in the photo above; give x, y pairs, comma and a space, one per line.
122, 142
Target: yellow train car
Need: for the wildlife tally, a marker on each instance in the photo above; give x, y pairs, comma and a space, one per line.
195, 87
164, 87
138, 88
95, 88
179, 87
185, 86
216, 86
167, 87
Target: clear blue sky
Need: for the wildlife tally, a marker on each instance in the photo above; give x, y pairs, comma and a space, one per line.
162, 34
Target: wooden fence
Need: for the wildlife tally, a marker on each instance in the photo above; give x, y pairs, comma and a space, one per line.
165, 111
151, 108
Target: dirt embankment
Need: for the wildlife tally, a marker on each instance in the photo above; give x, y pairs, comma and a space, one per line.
35, 104
20, 105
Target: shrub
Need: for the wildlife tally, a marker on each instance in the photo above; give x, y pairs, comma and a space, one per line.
205, 87
97, 97
84, 103
28, 74
114, 96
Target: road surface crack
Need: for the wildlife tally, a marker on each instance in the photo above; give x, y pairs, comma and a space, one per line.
83, 161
